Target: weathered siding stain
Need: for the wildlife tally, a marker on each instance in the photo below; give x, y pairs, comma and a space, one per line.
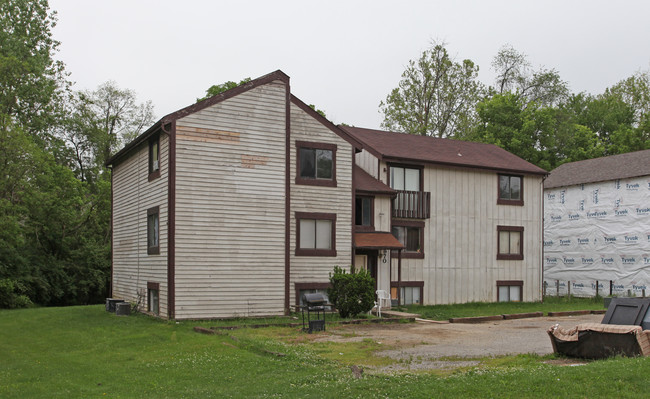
230, 207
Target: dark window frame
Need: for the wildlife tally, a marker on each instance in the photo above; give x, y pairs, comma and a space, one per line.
315, 181
153, 249
511, 283
420, 168
362, 227
509, 256
405, 253
408, 284
151, 286
154, 173
315, 251
507, 201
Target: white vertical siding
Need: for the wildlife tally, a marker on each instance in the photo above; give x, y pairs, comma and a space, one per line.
230, 207
318, 199
367, 162
460, 238
133, 194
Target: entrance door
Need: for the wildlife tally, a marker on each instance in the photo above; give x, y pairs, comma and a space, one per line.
367, 260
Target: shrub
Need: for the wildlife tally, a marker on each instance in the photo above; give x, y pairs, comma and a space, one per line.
12, 294
352, 293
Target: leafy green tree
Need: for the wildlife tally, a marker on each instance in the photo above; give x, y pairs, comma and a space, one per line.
541, 88
32, 83
352, 293
435, 97
220, 88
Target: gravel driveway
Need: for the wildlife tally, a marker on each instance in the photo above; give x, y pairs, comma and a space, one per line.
427, 345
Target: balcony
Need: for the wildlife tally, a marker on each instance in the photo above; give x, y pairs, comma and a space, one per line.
412, 205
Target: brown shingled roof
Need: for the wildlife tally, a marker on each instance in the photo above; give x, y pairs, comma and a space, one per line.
613, 167
408, 147
376, 240
365, 183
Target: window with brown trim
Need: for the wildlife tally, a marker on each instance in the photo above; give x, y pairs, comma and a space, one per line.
511, 190
316, 164
410, 292
154, 157
153, 231
409, 233
315, 234
364, 213
510, 242
509, 290
153, 297
310, 288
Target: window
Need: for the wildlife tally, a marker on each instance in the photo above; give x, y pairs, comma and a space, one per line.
404, 179
153, 295
363, 212
316, 234
153, 232
510, 190
509, 291
154, 158
510, 243
410, 292
316, 164
411, 235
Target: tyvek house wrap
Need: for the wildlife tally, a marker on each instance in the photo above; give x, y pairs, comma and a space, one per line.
598, 232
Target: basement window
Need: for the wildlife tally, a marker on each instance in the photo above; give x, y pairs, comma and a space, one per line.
509, 291
153, 298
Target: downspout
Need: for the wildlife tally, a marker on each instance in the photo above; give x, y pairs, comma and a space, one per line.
542, 234
171, 221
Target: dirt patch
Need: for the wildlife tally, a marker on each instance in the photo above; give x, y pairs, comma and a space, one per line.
430, 345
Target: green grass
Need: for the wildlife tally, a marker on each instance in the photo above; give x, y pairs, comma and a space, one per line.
550, 304
85, 352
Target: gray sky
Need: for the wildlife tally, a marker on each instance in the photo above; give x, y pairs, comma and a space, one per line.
343, 56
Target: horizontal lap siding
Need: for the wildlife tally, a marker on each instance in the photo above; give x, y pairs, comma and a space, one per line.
318, 199
230, 207
460, 239
133, 194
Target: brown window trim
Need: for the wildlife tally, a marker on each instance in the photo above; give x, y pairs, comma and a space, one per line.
153, 286
371, 227
309, 286
319, 146
404, 165
510, 283
154, 174
501, 256
419, 284
500, 201
409, 254
310, 251
155, 250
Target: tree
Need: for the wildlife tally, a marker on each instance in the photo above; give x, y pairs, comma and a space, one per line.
220, 88
100, 122
542, 87
32, 83
435, 97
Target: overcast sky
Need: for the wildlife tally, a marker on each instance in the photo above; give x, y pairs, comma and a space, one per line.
343, 56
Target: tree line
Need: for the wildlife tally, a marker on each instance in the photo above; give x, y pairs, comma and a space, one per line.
55, 190
529, 112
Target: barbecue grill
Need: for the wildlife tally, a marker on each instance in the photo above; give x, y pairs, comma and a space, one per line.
314, 305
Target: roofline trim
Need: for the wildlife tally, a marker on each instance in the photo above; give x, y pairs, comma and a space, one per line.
461, 165
190, 109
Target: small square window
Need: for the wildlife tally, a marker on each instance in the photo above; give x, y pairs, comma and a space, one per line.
510, 190
153, 231
154, 158
510, 242
316, 234
509, 291
316, 164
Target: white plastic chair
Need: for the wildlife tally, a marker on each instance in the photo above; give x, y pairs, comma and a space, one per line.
383, 299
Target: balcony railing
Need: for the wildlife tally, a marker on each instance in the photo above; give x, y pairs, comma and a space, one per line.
412, 204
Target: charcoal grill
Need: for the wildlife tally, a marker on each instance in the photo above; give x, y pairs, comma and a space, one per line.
314, 305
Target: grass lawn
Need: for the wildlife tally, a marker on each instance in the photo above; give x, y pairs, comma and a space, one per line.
550, 304
85, 352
